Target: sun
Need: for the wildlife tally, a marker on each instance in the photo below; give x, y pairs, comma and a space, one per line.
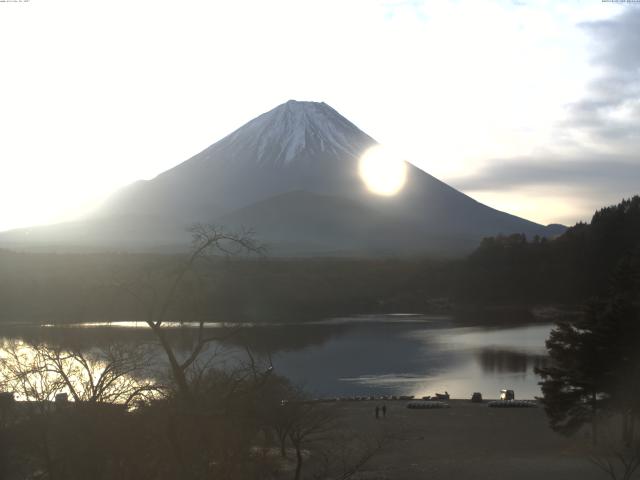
382, 172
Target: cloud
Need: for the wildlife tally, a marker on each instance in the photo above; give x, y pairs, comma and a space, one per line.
598, 175
611, 109
594, 154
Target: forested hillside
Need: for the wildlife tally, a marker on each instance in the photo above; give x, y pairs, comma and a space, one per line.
577, 265
71, 288
512, 270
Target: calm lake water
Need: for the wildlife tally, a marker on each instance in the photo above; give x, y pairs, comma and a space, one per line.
363, 355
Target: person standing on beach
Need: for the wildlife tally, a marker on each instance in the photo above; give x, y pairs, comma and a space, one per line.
377, 412
384, 411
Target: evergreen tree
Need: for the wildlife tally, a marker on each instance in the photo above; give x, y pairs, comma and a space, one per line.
595, 362
574, 383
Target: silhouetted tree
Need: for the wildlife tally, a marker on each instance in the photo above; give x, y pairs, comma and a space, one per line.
595, 361
572, 268
157, 302
617, 458
309, 422
574, 383
78, 439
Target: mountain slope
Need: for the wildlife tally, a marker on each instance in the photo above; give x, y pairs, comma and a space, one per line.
292, 175
302, 223
298, 145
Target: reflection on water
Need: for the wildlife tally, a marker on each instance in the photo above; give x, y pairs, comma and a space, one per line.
411, 359
506, 361
362, 355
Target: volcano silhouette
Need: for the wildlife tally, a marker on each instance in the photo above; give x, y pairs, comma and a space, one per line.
291, 175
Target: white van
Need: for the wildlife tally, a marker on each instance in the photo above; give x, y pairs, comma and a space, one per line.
507, 395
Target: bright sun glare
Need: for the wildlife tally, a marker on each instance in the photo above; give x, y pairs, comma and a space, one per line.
382, 172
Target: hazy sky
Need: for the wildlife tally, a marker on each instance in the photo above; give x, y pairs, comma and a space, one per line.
529, 107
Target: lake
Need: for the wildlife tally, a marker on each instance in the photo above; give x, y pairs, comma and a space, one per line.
360, 355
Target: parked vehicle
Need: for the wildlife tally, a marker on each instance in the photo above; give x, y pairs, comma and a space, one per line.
476, 397
507, 395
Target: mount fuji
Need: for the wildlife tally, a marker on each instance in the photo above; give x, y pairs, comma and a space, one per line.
290, 174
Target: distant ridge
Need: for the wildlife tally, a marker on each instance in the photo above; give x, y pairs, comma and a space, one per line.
291, 174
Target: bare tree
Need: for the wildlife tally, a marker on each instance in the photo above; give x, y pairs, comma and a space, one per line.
208, 240
24, 371
310, 422
58, 440
322, 441
618, 457
620, 464
114, 374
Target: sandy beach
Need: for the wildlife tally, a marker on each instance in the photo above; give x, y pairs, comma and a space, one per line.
467, 441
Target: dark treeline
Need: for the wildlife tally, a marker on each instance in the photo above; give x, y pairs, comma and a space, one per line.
572, 268
504, 270
69, 288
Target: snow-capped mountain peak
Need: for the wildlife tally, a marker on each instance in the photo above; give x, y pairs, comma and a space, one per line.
292, 174
296, 131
